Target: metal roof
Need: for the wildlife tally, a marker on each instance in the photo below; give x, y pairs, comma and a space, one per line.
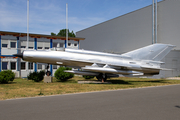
39, 36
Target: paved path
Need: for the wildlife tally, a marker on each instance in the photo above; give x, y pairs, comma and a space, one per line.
155, 103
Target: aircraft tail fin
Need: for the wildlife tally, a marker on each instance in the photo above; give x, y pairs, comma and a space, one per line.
155, 52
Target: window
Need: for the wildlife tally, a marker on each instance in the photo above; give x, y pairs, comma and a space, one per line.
54, 66
4, 65
75, 44
5, 45
39, 66
30, 66
23, 46
30, 47
13, 65
54, 44
46, 47
46, 66
69, 44
23, 65
39, 47
13, 44
61, 44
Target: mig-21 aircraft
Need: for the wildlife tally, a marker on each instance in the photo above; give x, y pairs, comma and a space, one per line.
143, 61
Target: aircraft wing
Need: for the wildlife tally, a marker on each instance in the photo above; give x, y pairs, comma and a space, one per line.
101, 67
91, 62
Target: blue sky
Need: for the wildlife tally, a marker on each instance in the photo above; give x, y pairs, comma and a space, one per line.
46, 16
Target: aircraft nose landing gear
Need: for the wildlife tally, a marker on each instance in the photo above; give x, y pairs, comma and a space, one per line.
48, 73
102, 77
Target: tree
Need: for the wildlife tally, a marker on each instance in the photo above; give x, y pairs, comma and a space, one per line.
62, 33
53, 34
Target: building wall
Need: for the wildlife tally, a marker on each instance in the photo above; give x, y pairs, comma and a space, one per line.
168, 22
134, 30
9, 47
172, 62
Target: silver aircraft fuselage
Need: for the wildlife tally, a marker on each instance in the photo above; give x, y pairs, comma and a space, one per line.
79, 60
144, 61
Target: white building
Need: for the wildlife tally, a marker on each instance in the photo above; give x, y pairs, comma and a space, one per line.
13, 43
134, 30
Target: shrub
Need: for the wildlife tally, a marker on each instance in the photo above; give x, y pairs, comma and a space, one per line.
30, 75
6, 76
61, 75
36, 76
42, 73
88, 77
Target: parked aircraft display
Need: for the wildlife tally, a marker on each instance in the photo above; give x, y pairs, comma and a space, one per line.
144, 61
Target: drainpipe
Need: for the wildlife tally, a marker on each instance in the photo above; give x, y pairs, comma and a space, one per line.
156, 23
152, 21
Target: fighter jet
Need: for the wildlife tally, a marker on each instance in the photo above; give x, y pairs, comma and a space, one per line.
144, 61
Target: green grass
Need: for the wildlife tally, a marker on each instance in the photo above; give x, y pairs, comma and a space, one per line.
27, 88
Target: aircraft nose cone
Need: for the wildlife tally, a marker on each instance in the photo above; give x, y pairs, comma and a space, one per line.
20, 55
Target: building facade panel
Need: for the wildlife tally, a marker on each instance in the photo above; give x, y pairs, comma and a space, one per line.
168, 22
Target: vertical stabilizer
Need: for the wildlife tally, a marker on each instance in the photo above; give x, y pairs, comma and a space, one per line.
155, 52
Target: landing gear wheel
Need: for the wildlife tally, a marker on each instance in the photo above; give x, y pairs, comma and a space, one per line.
102, 77
48, 73
99, 77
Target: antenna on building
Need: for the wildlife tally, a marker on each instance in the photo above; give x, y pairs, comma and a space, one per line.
66, 24
27, 24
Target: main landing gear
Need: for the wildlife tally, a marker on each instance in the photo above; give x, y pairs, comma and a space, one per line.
48, 73
102, 77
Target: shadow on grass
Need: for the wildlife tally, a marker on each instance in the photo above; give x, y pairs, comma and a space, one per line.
153, 81
126, 81
67, 81
119, 82
8, 83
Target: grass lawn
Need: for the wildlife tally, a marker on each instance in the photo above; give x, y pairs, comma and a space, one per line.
27, 88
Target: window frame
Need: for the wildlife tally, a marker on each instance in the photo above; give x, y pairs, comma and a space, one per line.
13, 44
4, 44
69, 44
39, 66
46, 48
30, 65
14, 67
6, 65
24, 66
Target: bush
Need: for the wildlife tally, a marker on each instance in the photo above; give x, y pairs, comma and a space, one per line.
88, 77
36, 76
6, 76
30, 75
61, 75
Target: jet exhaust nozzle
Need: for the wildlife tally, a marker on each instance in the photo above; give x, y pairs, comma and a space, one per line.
20, 55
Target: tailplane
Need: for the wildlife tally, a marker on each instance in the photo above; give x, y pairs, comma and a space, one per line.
155, 52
